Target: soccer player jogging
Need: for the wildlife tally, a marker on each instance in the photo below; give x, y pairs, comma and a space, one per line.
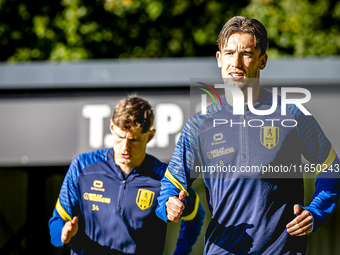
252, 213
108, 198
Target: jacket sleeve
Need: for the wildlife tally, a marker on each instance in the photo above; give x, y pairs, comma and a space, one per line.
192, 222
67, 204
56, 225
317, 149
177, 176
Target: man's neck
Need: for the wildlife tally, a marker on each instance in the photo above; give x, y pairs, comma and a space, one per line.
255, 95
127, 168
124, 168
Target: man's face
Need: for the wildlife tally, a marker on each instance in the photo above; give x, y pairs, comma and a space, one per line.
240, 61
129, 146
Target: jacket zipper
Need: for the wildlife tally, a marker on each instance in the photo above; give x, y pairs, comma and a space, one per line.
121, 194
244, 149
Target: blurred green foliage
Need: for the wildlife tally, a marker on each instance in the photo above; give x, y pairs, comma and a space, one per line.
299, 28
84, 29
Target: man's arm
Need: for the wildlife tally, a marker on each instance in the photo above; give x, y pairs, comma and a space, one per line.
62, 231
177, 195
315, 215
317, 149
176, 177
311, 218
172, 199
192, 222
175, 207
56, 225
63, 225
69, 230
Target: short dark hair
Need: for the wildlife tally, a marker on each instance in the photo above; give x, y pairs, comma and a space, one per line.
240, 24
132, 113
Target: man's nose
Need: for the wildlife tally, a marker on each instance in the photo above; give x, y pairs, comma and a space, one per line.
237, 61
125, 144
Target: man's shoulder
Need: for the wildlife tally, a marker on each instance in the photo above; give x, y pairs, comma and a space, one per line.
88, 158
156, 166
267, 98
199, 120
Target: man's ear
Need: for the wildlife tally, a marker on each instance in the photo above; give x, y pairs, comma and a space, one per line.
151, 135
111, 126
218, 57
263, 60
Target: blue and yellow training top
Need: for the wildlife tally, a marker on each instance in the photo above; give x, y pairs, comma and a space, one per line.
252, 170
117, 211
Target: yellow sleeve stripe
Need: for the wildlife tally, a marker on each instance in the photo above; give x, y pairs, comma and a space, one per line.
175, 181
192, 215
62, 212
328, 162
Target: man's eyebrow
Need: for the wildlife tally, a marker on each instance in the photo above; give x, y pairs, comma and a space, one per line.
228, 50
119, 135
249, 51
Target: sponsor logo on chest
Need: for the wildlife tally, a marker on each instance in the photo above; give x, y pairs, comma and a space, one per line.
96, 198
97, 186
219, 152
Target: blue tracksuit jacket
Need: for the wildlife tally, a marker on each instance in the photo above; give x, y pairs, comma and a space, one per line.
251, 168
116, 211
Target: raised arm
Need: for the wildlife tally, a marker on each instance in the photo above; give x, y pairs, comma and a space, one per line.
191, 225
317, 149
177, 177
63, 224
